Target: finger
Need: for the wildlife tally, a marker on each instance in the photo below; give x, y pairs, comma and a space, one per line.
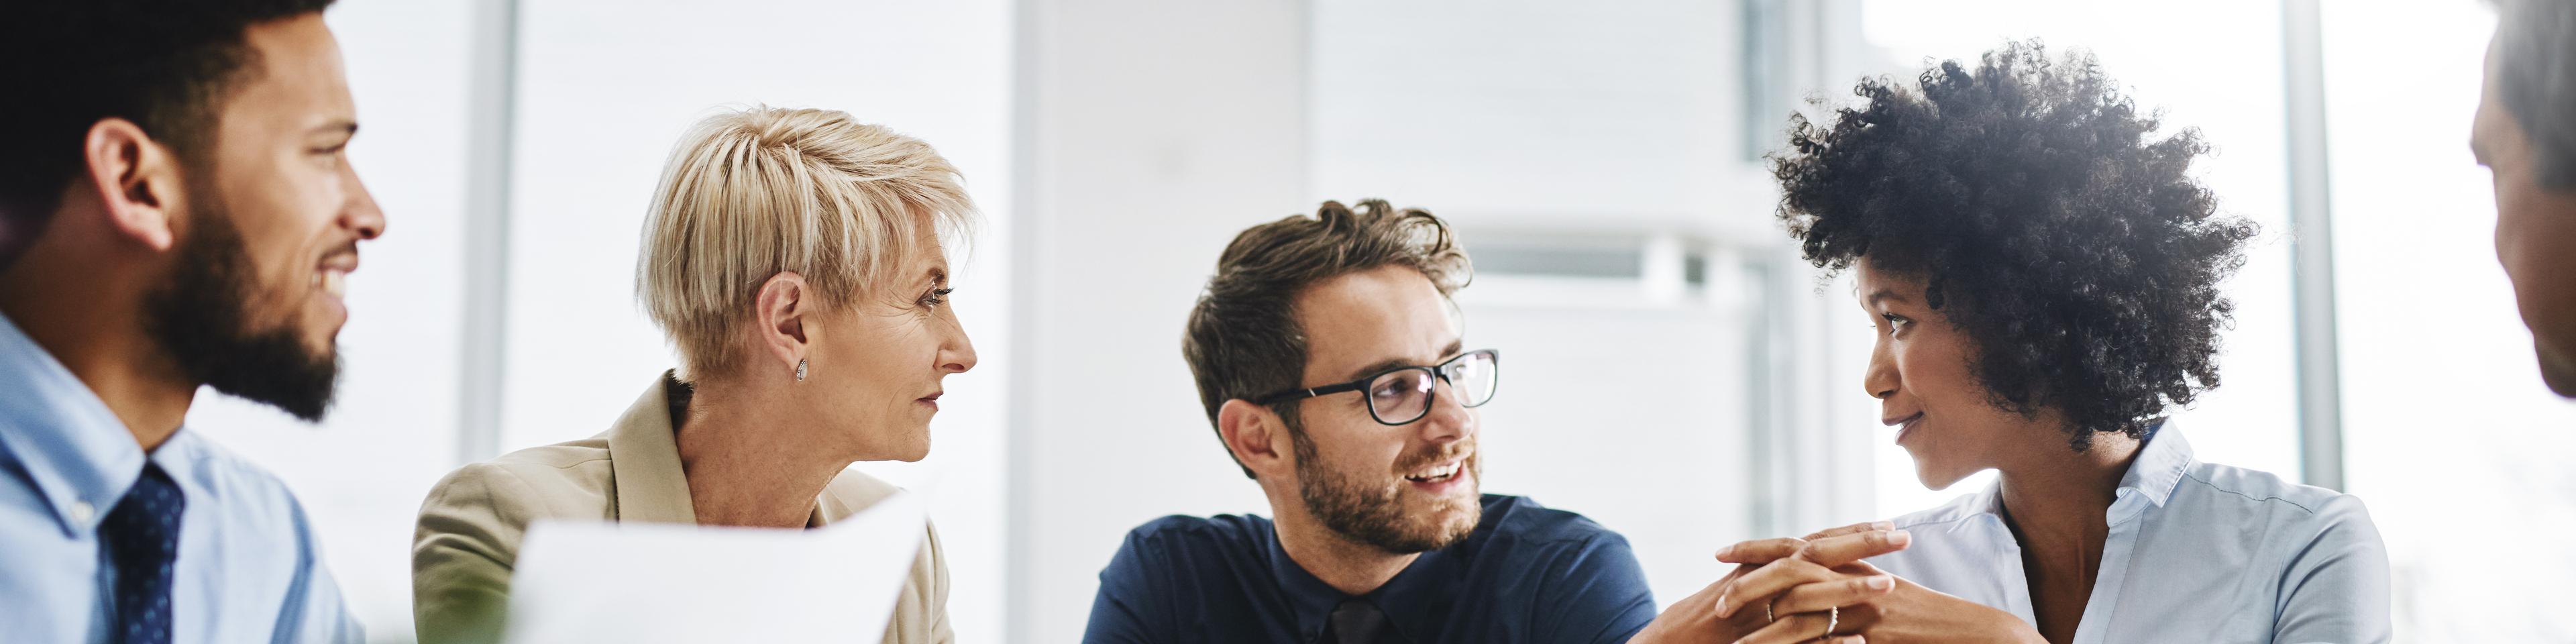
1791, 629
1833, 594
1853, 529
1760, 585
1836, 551
1854, 638
1760, 551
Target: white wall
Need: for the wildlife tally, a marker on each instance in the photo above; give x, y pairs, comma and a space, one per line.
1151, 132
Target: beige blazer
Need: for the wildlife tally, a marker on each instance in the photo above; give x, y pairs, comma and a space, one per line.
470, 526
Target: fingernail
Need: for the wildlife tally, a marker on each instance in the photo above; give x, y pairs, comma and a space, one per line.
1883, 525
1882, 582
1722, 552
1900, 538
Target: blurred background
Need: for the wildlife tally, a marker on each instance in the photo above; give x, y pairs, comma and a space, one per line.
1601, 160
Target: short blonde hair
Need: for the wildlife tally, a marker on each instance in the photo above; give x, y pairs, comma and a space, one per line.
752, 193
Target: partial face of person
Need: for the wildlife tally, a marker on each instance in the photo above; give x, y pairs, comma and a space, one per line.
273, 217
1920, 372
2535, 236
883, 356
1401, 488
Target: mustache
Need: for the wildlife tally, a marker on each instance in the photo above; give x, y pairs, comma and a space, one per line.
1418, 460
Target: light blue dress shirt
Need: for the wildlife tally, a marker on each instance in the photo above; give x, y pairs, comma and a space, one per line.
248, 567
2198, 552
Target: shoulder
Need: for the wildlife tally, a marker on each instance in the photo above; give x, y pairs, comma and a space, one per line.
2214, 494
563, 479
1525, 521
1187, 545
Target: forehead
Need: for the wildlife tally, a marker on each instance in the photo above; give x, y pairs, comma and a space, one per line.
297, 74
1364, 318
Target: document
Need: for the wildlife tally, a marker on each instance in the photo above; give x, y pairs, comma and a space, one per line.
646, 583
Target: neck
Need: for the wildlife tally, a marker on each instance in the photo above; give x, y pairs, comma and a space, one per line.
88, 314
2058, 490
747, 463
1347, 565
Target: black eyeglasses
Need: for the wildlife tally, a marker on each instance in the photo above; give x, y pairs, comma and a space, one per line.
1403, 395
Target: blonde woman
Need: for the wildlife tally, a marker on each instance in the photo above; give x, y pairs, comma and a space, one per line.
793, 257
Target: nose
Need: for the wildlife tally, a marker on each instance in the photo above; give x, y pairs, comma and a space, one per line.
956, 352
1449, 419
360, 213
1881, 379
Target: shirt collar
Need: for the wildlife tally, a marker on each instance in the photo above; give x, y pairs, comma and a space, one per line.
2153, 474
2160, 464
1310, 600
644, 456
79, 454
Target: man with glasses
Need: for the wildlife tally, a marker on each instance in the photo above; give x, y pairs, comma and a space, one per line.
1327, 354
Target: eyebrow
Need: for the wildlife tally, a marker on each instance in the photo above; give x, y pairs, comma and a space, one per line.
347, 128
1392, 364
1883, 294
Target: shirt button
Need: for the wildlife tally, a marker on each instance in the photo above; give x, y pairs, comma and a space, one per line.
81, 511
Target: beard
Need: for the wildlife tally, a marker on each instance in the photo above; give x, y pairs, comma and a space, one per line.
1371, 511
201, 316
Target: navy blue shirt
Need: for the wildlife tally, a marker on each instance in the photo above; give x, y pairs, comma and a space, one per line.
1528, 574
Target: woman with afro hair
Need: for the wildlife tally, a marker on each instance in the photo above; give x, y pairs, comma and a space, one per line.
2044, 275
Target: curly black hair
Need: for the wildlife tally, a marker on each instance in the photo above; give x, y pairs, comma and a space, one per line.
2073, 249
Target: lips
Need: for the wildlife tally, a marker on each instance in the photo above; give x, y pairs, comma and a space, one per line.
1437, 472
1905, 425
932, 400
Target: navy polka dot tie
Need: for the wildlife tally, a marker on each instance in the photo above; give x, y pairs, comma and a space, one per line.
141, 538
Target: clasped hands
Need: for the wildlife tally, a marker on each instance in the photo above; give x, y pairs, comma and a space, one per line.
1802, 590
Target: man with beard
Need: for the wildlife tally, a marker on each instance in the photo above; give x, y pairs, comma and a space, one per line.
2526, 132
175, 211
1327, 354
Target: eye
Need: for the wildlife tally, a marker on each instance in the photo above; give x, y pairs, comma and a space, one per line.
936, 297
1895, 322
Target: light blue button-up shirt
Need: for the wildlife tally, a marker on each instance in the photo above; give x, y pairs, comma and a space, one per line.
2198, 552
248, 568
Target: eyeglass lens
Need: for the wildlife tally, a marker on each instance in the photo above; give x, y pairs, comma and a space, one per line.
1405, 396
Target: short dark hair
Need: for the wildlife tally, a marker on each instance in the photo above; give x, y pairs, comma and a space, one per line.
2079, 255
1243, 339
2536, 76
166, 65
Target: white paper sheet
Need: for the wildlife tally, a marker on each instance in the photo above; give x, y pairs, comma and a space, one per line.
644, 583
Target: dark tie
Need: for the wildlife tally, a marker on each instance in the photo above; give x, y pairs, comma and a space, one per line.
141, 538
1357, 621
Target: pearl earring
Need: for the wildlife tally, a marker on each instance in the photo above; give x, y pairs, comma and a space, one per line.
800, 369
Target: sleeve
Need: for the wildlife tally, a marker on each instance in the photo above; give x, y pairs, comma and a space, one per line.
1120, 613
1596, 594
2335, 587
462, 552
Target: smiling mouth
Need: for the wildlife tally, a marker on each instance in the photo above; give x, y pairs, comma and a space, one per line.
1904, 425
1437, 473
333, 281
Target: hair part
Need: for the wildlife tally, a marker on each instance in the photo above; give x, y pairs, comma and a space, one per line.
1243, 339
169, 66
2536, 76
753, 193
2076, 252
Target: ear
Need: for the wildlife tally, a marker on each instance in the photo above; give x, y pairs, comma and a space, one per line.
1258, 438
779, 328
137, 179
